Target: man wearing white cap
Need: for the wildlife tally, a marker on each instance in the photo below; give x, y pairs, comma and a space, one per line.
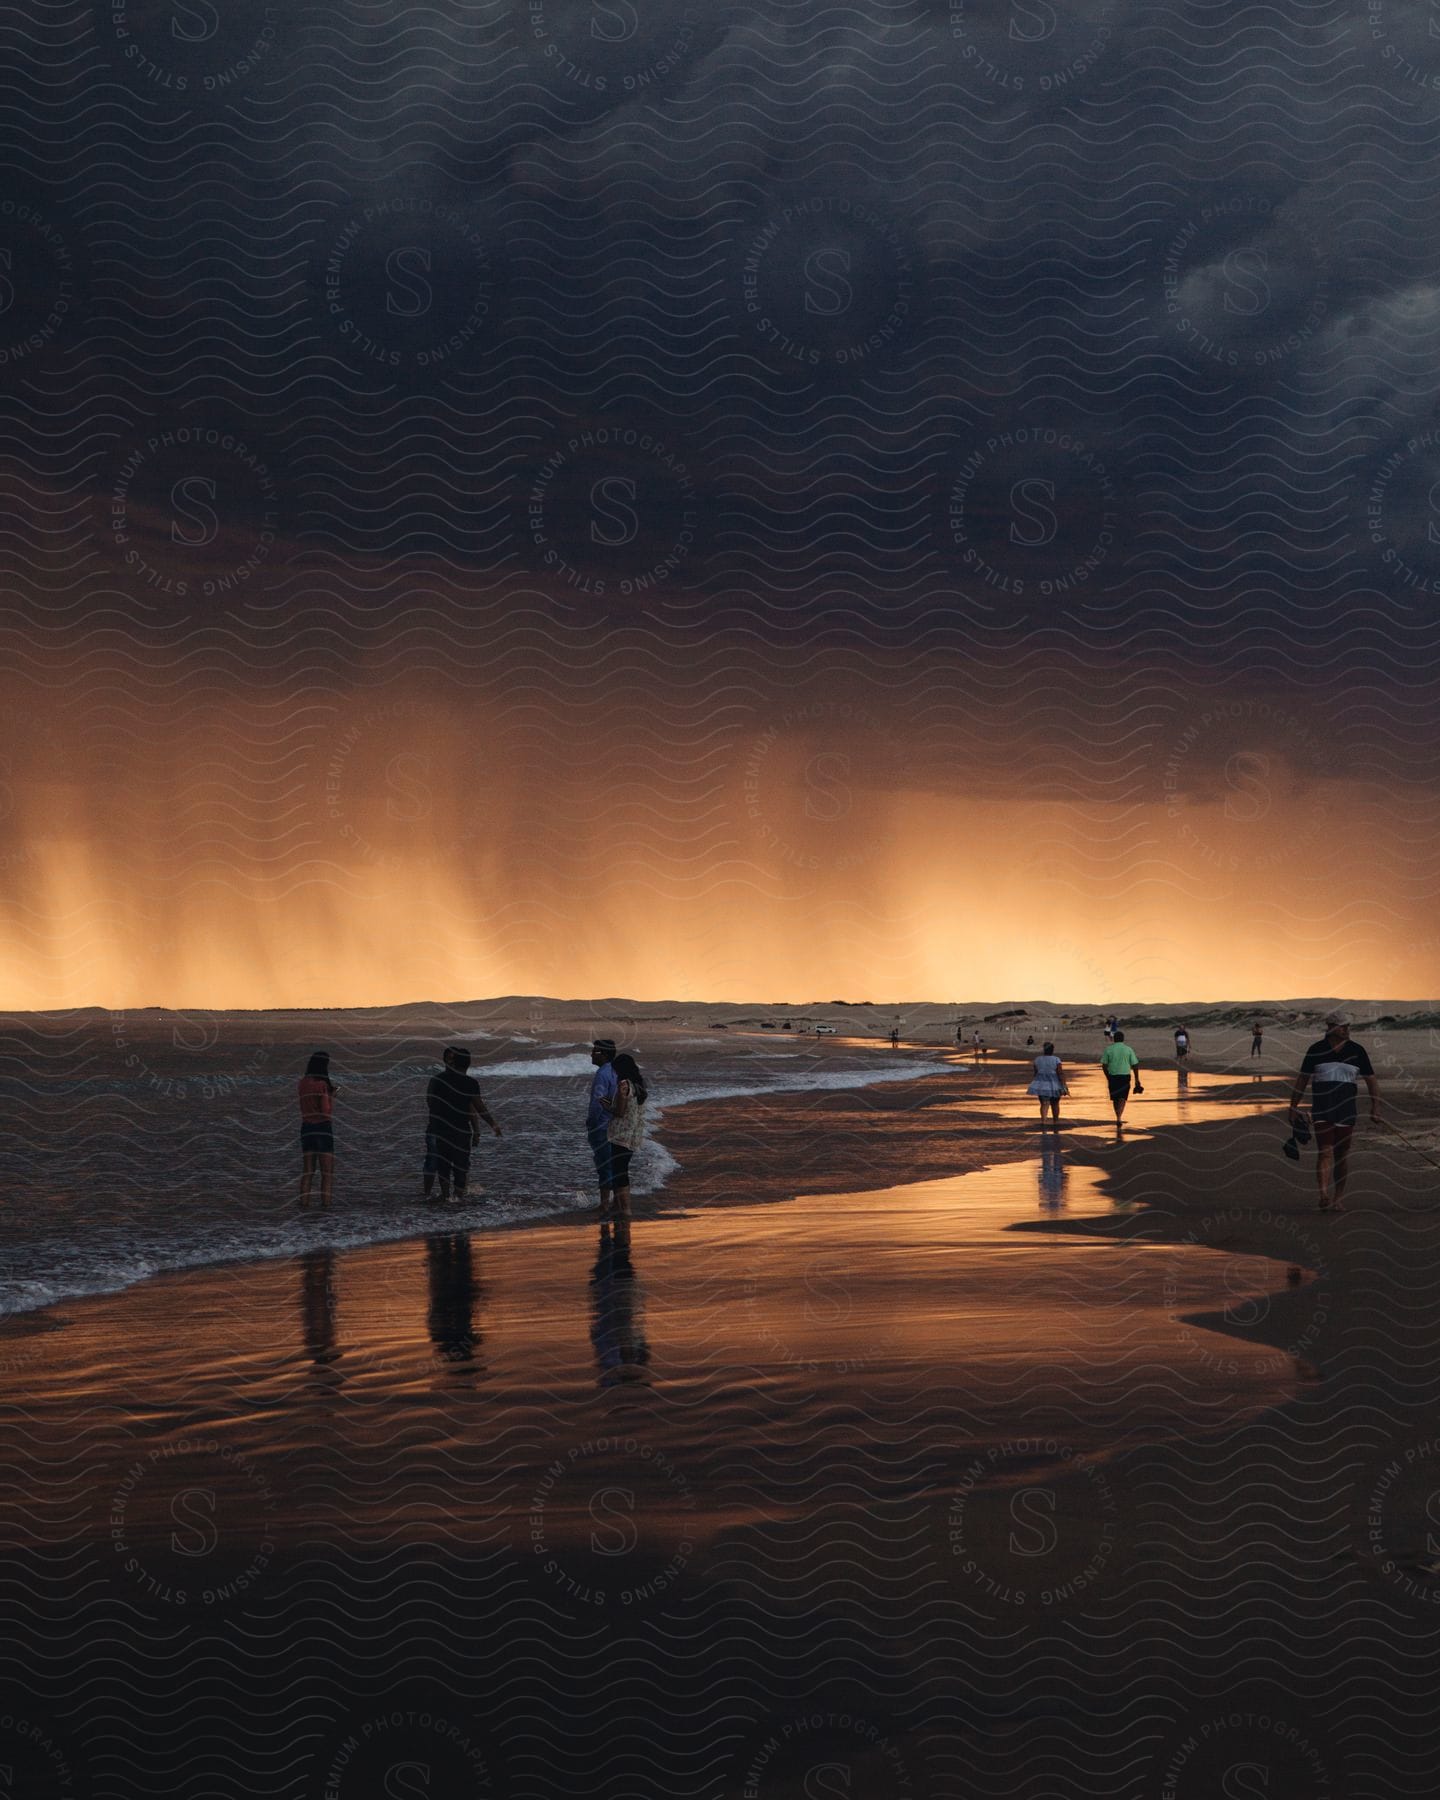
1337, 1066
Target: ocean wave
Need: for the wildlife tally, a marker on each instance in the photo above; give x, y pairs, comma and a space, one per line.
61, 1243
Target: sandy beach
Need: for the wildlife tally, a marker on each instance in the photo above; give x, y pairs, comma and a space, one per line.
881, 1445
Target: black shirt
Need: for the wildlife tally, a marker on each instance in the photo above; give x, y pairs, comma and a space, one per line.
1336, 1074
448, 1099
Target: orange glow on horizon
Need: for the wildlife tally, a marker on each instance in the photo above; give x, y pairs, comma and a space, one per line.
394, 853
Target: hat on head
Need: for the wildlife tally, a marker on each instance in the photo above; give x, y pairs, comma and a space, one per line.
605, 1044
1336, 1019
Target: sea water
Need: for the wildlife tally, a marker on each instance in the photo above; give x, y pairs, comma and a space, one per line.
135, 1143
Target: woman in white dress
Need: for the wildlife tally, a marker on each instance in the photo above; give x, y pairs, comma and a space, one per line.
1049, 1083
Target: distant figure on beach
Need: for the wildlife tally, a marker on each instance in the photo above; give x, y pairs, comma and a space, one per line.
317, 1130
597, 1114
1049, 1082
1030, 1043
1182, 1043
1119, 1061
1111, 1025
1257, 1037
894, 1037
626, 1130
959, 1037
1336, 1065
454, 1110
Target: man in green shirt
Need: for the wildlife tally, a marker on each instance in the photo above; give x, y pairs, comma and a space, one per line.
1118, 1061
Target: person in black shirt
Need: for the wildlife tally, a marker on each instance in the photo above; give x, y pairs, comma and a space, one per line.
454, 1110
1337, 1066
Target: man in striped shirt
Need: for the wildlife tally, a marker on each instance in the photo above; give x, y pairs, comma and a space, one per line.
1337, 1066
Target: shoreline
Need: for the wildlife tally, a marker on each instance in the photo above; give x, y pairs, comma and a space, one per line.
414, 1221
850, 1154
760, 1432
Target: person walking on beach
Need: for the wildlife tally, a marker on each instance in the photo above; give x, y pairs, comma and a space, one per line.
597, 1115
317, 1129
626, 1130
1110, 1024
1119, 1061
1182, 1043
1336, 1065
454, 1110
894, 1037
1049, 1083
1257, 1038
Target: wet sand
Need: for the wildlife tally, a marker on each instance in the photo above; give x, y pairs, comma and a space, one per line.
865, 1487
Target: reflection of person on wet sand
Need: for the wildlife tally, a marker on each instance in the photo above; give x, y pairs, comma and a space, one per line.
1119, 1061
616, 1329
1049, 1083
1053, 1175
450, 1267
317, 1305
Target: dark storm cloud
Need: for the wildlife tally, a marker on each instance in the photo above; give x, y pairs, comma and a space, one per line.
826, 261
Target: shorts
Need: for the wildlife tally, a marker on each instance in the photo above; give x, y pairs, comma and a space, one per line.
620, 1165
601, 1149
451, 1158
1119, 1086
1333, 1121
317, 1139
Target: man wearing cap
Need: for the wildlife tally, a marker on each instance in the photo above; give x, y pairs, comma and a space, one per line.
1337, 1066
597, 1118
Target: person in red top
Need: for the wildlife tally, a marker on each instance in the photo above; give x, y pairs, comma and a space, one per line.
317, 1131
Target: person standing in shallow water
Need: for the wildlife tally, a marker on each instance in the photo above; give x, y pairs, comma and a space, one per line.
1119, 1061
454, 1108
626, 1131
597, 1115
317, 1129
